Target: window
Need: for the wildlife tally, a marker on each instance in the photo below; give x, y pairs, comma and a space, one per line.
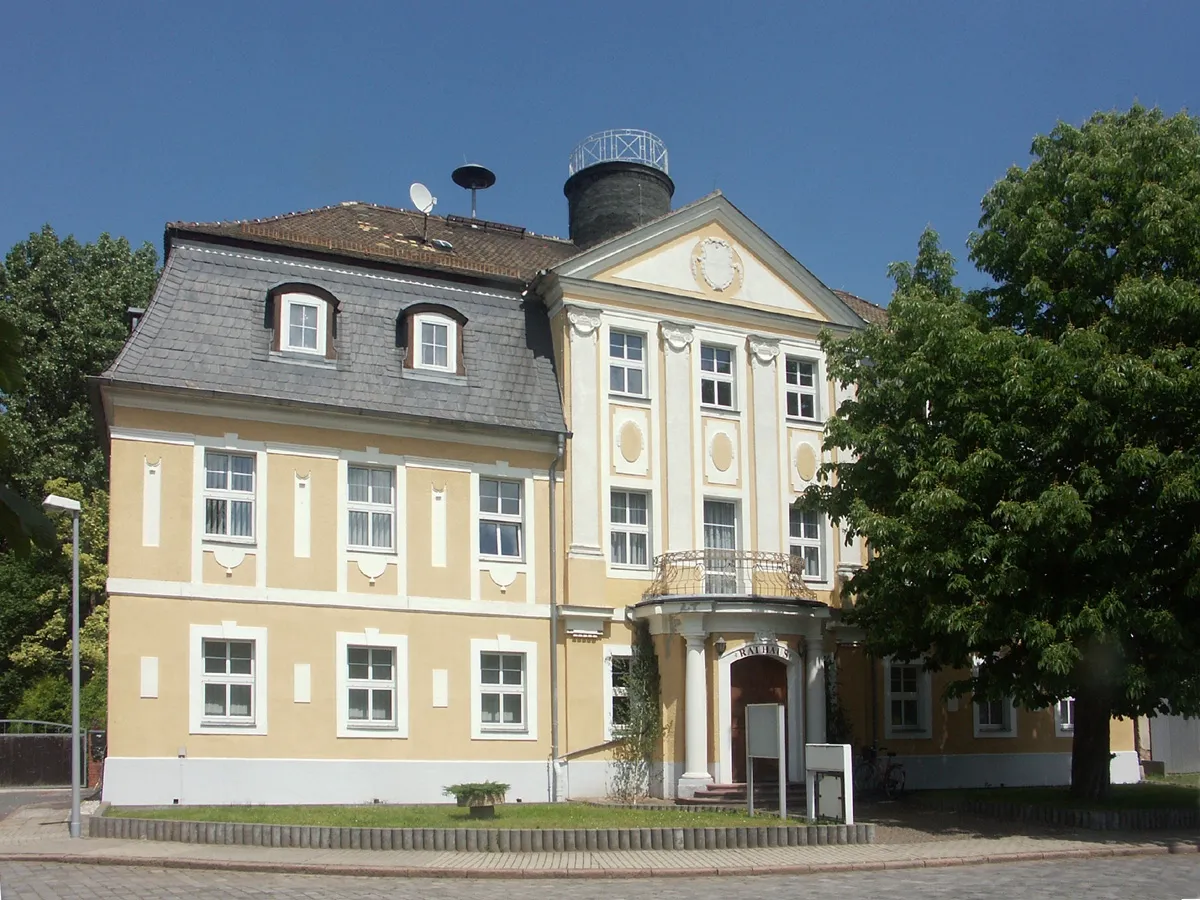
627, 366
629, 535
807, 540
907, 704
304, 323
801, 376
228, 682
371, 508
502, 693
228, 495
302, 326
504, 683
618, 662
994, 718
436, 338
716, 376
500, 518
227, 679
371, 686
1064, 717
720, 547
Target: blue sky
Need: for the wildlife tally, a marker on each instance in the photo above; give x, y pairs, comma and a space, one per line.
841, 128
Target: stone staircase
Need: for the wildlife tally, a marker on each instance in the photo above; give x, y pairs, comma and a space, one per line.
733, 797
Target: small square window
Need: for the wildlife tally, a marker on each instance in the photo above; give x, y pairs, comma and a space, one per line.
716, 376
502, 691
627, 363
500, 520
436, 338
801, 394
228, 682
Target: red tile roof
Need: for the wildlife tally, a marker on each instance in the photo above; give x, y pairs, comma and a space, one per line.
865, 309
368, 231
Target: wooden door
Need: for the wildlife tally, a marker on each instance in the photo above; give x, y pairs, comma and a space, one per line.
756, 679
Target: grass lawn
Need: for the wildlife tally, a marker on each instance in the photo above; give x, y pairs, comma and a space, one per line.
509, 815
1169, 792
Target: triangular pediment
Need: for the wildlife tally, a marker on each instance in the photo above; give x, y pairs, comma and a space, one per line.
711, 251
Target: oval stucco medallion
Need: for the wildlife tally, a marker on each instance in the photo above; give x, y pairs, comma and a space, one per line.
806, 462
722, 452
629, 439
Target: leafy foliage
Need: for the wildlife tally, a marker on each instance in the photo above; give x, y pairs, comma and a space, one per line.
62, 320
641, 737
480, 793
1028, 458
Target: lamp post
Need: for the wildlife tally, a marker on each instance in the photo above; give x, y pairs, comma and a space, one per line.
55, 502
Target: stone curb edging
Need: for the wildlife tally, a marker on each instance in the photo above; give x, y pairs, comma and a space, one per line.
489, 840
1098, 820
465, 872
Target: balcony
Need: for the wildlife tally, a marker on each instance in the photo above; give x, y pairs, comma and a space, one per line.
731, 573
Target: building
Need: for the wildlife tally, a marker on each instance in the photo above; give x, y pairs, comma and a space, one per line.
364, 461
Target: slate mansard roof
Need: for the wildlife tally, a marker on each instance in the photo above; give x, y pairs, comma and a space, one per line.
205, 331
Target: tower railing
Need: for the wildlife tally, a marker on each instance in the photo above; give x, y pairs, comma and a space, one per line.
619, 145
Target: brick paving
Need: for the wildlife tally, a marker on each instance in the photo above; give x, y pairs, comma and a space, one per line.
1147, 878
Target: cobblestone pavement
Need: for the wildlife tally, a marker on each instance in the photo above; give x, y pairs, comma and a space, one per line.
1147, 878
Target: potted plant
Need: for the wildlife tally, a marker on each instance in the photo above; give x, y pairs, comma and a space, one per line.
480, 798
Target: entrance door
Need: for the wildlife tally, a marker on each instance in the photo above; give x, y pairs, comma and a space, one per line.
756, 679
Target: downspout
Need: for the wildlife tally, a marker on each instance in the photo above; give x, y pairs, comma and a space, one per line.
554, 627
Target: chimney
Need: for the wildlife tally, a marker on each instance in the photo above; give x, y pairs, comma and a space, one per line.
617, 181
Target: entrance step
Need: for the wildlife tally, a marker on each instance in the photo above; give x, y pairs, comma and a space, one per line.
733, 796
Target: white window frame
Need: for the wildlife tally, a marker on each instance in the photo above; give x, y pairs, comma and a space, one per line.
419, 321
228, 496
799, 391
1008, 726
625, 364
820, 543
398, 644
285, 323
370, 507
501, 518
611, 729
627, 528
924, 698
503, 644
719, 378
1062, 727
198, 722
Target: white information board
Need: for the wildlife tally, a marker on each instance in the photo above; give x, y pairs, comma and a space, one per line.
765, 730
824, 763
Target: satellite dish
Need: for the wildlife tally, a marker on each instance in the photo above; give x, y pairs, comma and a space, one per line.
421, 198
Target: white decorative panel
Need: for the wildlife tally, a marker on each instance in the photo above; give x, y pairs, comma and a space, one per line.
302, 683
722, 455
677, 340
151, 502
630, 441
585, 428
804, 458
437, 533
441, 688
149, 677
303, 514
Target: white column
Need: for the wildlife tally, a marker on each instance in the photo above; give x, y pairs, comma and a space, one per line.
677, 340
585, 434
695, 719
767, 490
814, 688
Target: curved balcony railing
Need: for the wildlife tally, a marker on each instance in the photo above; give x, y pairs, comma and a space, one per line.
729, 573
619, 145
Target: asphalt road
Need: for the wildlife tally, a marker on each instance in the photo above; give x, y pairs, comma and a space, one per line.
1146, 878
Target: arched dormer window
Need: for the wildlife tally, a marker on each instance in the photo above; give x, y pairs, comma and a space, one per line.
433, 336
303, 318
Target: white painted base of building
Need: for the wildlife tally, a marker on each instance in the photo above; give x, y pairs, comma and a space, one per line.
196, 781
973, 770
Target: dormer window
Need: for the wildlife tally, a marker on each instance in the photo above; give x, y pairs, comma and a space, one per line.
431, 336
304, 319
438, 345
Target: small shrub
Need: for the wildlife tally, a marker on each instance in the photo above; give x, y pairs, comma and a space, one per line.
482, 793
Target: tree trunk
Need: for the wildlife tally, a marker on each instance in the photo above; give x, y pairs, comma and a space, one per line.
1090, 755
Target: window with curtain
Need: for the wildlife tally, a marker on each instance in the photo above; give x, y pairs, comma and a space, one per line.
720, 547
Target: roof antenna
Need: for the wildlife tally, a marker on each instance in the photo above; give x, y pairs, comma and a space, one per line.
474, 178
424, 201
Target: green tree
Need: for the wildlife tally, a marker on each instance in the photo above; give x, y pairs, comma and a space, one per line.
62, 319
1027, 466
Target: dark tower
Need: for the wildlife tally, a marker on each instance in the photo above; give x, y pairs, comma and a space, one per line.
617, 181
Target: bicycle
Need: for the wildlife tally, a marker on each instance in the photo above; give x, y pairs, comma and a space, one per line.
878, 772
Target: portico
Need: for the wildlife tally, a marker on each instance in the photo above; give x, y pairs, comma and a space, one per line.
732, 646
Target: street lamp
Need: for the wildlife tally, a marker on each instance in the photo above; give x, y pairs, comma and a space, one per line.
55, 502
